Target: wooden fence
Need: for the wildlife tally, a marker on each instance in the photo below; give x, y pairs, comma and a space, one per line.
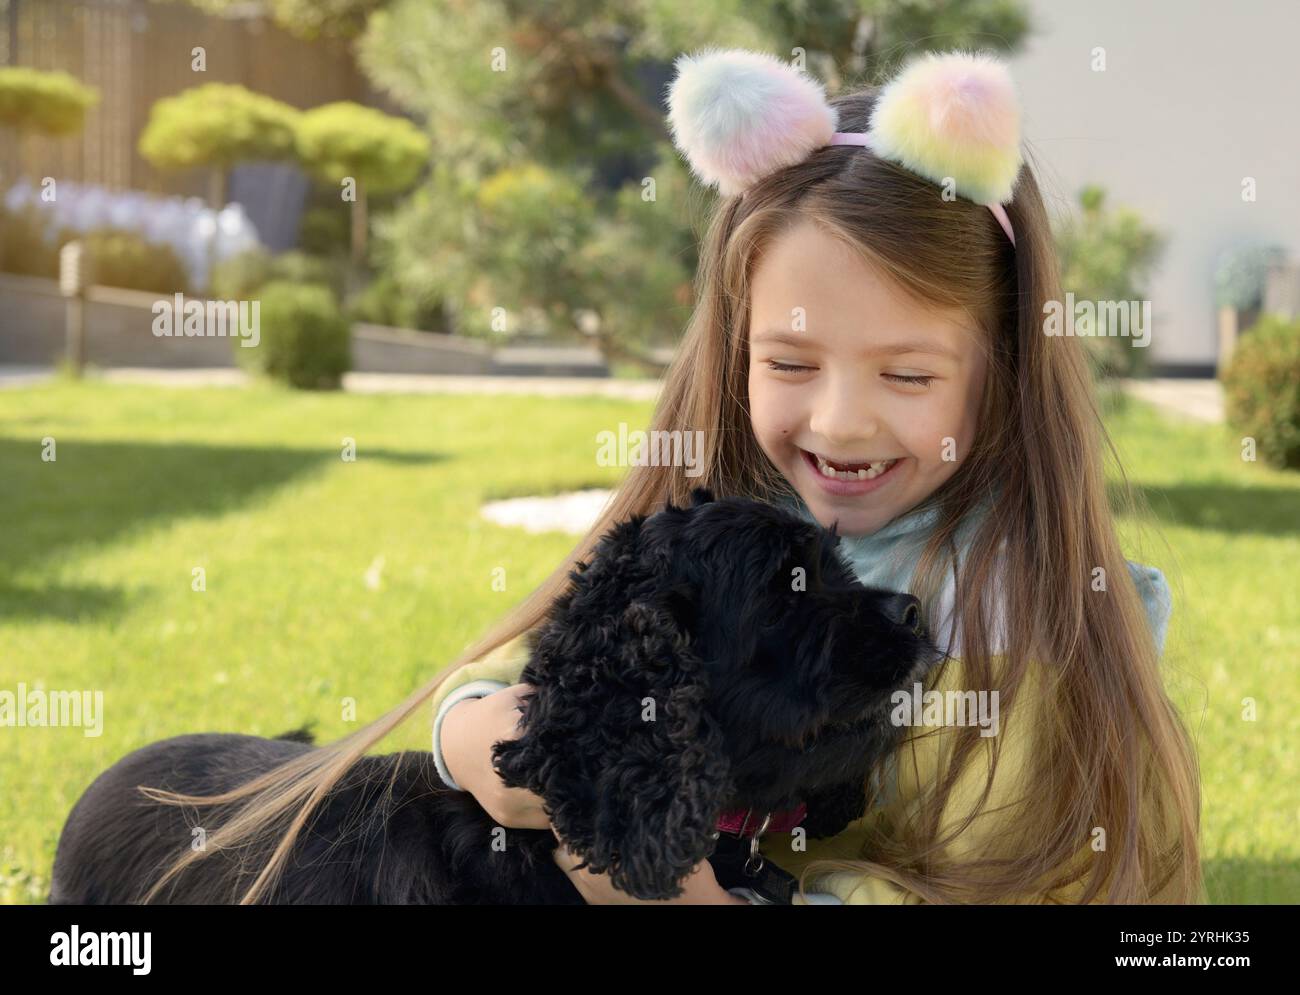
137, 51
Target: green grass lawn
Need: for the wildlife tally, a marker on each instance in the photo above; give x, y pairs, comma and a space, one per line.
99, 546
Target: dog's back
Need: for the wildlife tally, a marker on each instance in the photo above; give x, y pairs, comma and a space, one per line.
117, 840
390, 832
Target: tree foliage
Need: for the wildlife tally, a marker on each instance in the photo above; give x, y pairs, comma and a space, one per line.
304, 18
48, 103
1108, 255
550, 132
385, 153
218, 125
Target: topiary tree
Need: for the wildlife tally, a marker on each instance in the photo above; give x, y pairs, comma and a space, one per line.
38, 102
215, 126
48, 103
378, 152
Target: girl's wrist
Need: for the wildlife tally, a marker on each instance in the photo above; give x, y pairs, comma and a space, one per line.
451, 740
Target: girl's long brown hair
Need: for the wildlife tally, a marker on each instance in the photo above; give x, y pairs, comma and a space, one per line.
1114, 753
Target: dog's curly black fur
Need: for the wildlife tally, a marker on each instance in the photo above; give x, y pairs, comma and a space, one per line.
709, 658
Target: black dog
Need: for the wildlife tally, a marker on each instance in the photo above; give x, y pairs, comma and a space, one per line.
712, 659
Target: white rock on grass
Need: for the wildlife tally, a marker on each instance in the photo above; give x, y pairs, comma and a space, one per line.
574, 512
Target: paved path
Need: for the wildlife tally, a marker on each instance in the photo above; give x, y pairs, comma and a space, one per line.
1198, 400
369, 383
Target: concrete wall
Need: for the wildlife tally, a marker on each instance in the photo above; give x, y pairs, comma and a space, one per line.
119, 332
1195, 96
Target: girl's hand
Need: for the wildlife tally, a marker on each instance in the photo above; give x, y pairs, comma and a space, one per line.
699, 888
468, 731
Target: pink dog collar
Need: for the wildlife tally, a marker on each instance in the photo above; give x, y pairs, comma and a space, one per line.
739, 822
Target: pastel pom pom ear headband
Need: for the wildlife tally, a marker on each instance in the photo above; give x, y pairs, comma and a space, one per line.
951, 117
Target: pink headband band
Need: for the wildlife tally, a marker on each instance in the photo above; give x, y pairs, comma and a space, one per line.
861, 138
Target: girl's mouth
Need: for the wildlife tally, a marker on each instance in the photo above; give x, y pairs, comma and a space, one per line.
861, 480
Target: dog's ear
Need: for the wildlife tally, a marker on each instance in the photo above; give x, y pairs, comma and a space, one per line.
701, 495
661, 789
630, 763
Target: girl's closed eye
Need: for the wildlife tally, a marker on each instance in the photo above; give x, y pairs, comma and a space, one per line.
773, 364
916, 379
919, 379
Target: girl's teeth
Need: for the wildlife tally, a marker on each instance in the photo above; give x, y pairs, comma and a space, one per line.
868, 472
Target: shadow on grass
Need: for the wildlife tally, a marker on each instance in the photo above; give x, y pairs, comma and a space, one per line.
95, 493
1242, 881
63, 604
1226, 507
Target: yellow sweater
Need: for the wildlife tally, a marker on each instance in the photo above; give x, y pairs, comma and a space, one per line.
886, 559
918, 764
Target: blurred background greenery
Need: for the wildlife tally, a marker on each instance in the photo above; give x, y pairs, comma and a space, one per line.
498, 171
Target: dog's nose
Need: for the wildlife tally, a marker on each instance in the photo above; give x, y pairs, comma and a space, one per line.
903, 609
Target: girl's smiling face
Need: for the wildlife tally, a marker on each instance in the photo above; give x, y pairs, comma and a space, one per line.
843, 365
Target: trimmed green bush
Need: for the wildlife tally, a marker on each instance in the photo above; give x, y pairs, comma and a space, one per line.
304, 340
51, 103
383, 152
1262, 390
218, 124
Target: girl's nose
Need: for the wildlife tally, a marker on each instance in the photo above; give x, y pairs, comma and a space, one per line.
842, 417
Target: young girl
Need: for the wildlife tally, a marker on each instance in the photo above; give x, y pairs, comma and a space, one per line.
879, 310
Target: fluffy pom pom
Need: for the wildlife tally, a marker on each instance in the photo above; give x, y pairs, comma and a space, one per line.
953, 114
738, 115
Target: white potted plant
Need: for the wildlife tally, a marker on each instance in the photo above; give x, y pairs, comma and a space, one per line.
1239, 280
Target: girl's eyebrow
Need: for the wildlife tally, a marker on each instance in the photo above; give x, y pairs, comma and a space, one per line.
888, 349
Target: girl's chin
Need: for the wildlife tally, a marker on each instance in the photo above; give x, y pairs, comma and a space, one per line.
855, 523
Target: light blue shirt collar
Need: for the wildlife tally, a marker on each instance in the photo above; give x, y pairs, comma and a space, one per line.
888, 557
